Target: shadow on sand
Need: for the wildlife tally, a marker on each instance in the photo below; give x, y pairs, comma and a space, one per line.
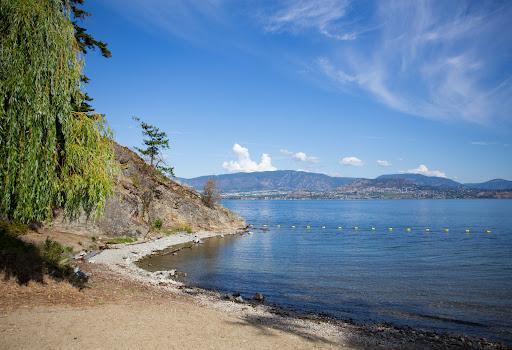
26, 262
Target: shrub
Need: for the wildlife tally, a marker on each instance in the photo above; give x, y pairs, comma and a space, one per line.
55, 254
180, 228
210, 195
13, 229
157, 224
122, 240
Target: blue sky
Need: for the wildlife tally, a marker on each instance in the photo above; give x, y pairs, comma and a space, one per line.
339, 87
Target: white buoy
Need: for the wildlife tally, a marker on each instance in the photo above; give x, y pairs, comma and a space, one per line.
340, 228
446, 230
390, 229
427, 229
308, 227
467, 230
293, 226
356, 228
373, 228
408, 229
278, 225
323, 226
487, 231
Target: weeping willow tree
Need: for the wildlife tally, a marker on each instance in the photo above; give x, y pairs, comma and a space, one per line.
50, 155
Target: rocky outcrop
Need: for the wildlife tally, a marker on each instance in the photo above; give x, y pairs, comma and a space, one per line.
143, 199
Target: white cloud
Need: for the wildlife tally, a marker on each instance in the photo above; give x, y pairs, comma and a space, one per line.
352, 161
323, 16
245, 163
383, 163
424, 170
300, 156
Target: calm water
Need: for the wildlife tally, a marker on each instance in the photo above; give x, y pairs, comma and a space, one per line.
448, 281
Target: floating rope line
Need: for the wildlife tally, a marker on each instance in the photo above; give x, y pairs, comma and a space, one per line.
266, 227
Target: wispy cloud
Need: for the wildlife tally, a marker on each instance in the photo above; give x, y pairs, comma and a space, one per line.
383, 163
299, 156
482, 143
244, 163
323, 16
351, 161
442, 60
424, 170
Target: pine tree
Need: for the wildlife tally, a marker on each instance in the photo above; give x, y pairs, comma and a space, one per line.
155, 141
85, 42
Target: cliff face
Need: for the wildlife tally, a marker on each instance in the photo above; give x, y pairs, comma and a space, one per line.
144, 196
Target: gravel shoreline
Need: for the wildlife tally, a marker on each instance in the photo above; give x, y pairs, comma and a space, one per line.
123, 258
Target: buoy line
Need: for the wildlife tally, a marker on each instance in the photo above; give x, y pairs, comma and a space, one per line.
309, 227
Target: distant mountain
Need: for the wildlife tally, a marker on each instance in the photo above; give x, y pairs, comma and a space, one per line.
492, 185
281, 180
300, 181
422, 180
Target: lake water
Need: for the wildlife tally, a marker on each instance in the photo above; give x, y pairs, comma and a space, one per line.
453, 280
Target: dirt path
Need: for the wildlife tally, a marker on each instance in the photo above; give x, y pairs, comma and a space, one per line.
141, 325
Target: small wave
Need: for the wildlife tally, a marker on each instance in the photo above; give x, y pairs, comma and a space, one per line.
451, 320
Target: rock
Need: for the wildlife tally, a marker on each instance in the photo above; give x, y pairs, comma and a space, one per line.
123, 211
172, 273
259, 297
229, 297
80, 255
79, 275
239, 300
236, 294
90, 255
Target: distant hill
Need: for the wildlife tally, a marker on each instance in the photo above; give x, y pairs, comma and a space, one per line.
422, 180
492, 185
300, 181
281, 180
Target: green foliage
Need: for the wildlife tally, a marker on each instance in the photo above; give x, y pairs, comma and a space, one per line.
27, 262
51, 156
55, 254
155, 141
122, 240
157, 224
14, 229
85, 42
180, 228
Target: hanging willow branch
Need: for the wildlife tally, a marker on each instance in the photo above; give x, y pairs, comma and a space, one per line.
50, 156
